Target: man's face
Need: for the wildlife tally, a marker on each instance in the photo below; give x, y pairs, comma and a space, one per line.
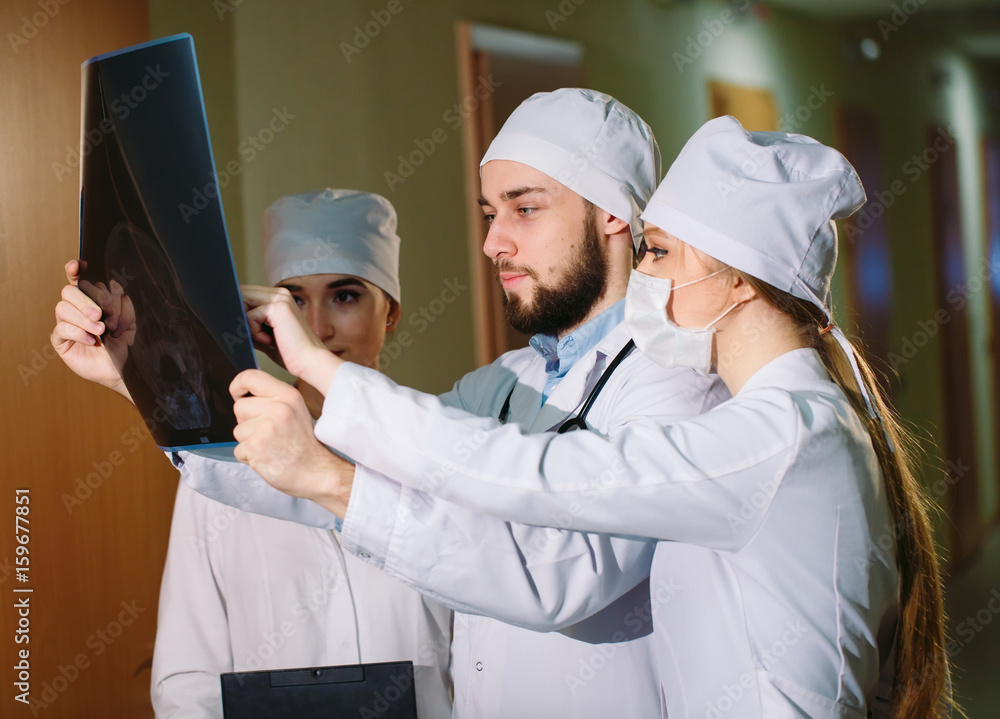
543, 240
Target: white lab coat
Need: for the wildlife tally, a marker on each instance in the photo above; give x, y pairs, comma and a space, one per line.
527, 577
771, 579
244, 592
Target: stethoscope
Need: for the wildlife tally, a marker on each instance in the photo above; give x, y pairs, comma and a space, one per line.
578, 422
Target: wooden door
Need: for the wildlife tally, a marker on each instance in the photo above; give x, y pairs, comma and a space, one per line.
754, 107
990, 272
864, 242
99, 492
498, 69
958, 437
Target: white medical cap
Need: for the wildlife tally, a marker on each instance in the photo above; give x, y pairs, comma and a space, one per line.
589, 142
332, 232
762, 202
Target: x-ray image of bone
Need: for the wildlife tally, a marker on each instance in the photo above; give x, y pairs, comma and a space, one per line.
164, 348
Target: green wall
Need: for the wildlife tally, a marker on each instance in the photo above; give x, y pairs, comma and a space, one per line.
347, 119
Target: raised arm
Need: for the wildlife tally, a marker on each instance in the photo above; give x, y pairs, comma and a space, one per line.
676, 482
514, 573
536, 577
237, 485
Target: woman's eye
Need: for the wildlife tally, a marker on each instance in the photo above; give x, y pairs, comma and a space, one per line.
345, 297
298, 300
646, 249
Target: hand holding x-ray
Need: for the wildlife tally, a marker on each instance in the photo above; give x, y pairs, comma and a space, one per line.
79, 324
118, 315
275, 435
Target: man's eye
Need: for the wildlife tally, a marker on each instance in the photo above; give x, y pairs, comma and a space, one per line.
524, 211
489, 218
298, 300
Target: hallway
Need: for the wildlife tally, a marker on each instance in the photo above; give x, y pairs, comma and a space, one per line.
973, 603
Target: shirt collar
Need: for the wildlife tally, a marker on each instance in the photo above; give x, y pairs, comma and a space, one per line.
791, 368
561, 354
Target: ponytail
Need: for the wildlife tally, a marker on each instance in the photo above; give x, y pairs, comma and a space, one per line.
920, 687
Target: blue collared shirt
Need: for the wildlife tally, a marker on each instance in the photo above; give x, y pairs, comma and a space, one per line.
561, 355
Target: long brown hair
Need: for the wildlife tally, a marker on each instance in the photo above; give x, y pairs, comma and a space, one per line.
920, 689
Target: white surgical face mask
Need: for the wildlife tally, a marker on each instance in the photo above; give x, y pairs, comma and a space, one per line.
656, 336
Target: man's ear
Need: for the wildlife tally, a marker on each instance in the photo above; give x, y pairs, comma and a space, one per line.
608, 224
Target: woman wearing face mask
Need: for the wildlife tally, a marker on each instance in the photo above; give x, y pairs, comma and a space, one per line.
797, 575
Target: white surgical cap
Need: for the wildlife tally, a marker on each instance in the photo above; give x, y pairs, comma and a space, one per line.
332, 232
589, 142
762, 202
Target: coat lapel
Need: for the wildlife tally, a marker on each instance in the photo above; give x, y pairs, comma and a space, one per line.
570, 393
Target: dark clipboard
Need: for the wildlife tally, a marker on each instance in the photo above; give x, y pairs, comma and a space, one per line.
384, 690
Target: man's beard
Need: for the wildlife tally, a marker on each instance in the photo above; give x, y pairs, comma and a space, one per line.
555, 308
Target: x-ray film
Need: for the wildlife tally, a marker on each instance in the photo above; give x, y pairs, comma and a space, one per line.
154, 250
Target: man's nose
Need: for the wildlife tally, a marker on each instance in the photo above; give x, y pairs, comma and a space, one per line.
499, 242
